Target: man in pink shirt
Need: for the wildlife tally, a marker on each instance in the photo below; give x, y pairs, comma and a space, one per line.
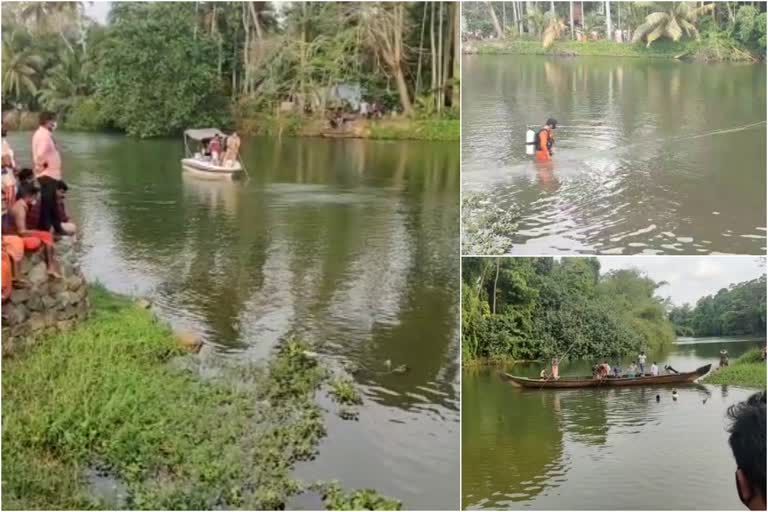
44, 153
47, 165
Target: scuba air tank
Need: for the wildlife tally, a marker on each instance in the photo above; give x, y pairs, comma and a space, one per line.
530, 142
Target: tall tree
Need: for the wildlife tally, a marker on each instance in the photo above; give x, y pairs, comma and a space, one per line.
608, 24
495, 20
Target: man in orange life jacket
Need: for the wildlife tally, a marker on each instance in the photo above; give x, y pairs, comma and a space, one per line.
545, 139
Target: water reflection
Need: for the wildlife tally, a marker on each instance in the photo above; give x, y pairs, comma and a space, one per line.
599, 449
350, 243
642, 160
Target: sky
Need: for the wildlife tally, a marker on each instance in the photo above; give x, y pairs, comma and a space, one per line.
690, 278
98, 11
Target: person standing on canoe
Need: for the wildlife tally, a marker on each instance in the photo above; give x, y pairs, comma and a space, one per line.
556, 368
654, 370
641, 362
747, 442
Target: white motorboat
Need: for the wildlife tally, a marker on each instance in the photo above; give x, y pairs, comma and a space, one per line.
203, 166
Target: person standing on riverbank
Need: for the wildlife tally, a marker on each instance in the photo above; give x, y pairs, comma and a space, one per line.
47, 167
747, 442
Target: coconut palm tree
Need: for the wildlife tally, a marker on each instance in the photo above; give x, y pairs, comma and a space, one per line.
679, 20
66, 83
53, 17
21, 67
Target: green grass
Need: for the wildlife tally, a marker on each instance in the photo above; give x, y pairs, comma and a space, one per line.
424, 129
659, 50
104, 393
747, 370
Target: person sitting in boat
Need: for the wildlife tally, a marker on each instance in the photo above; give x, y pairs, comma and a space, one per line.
632, 370
232, 153
654, 369
747, 441
602, 370
215, 148
543, 374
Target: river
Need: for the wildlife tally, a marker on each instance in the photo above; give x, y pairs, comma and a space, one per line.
644, 162
601, 449
352, 244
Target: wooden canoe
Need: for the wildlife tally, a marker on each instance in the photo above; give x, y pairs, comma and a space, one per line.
589, 382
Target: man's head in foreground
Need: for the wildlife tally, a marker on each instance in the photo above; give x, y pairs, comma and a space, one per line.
748, 444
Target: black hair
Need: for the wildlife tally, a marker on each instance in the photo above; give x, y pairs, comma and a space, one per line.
747, 438
61, 185
552, 122
28, 189
46, 116
26, 173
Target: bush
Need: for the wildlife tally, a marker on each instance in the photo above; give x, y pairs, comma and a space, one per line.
86, 115
749, 28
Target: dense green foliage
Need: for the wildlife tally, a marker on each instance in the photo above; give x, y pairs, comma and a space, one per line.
737, 310
714, 31
155, 76
156, 67
544, 307
748, 370
105, 395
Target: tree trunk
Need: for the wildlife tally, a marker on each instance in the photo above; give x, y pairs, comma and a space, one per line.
496, 26
503, 15
397, 35
495, 281
529, 11
421, 50
456, 99
552, 7
433, 76
447, 55
573, 32
440, 81
608, 24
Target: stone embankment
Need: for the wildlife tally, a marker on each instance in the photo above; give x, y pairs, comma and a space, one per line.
45, 304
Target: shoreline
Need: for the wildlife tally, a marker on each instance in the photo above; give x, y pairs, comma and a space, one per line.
749, 370
148, 428
434, 129
664, 50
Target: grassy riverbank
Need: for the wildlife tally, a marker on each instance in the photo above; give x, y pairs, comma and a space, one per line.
437, 129
747, 370
706, 50
103, 399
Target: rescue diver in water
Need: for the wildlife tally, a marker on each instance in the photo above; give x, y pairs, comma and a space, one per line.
545, 139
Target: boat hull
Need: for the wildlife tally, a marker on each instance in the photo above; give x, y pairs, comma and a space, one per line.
209, 171
589, 382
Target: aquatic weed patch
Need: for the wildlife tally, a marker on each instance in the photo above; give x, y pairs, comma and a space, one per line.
486, 227
104, 392
334, 498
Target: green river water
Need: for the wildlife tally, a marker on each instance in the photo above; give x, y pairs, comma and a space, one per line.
652, 156
352, 244
601, 449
